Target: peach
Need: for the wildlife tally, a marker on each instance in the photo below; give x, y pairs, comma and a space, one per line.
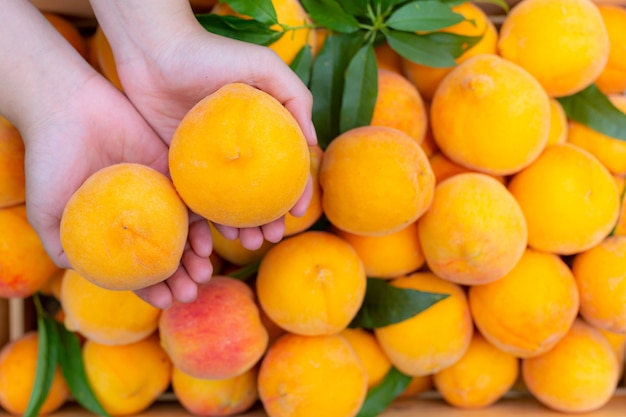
12, 176
480, 378
25, 267
433, 339
311, 284
219, 335
579, 374
216, 397
127, 379
105, 316
18, 362
312, 376
367, 348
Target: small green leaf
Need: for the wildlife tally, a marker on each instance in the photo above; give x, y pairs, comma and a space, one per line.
331, 15
47, 356
246, 271
261, 10
423, 16
379, 397
327, 83
385, 5
594, 110
438, 49
418, 49
360, 90
235, 27
73, 368
385, 304
302, 64
355, 7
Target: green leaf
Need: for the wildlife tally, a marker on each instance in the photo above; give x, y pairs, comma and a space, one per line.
355, 7
246, 271
385, 304
47, 356
423, 16
238, 28
302, 64
331, 15
360, 90
385, 5
379, 397
327, 83
594, 110
73, 368
261, 10
437, 49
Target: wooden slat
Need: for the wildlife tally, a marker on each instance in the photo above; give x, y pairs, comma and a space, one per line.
510, 406
4, 321
16, 318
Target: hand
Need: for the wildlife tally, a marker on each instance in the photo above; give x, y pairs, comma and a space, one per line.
166, 72
82, 136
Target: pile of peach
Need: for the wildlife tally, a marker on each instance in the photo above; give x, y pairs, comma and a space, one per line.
470, 181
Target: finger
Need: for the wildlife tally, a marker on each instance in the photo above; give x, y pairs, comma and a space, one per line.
230, 233
301, 206
182, 286
251, 238
274, 231
158, 295
200, 239
198, 268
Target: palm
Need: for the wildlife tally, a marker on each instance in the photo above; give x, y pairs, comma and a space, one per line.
83, 136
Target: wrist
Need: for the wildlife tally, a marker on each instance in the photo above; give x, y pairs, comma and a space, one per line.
38, 73
136, 28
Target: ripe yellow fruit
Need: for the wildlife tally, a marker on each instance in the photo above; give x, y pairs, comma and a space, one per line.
564, 44
612, 79
311, 284
239, 158
312, 376
25, 266
127, 379
433, 339
528, 310
558, 124
480, 378
375, 180
600, 273
399, 105
569, 200
105, 316
375, 360
582, 358
125, 227
474, 232
388, 256
12, 175
490, 115
18, 365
